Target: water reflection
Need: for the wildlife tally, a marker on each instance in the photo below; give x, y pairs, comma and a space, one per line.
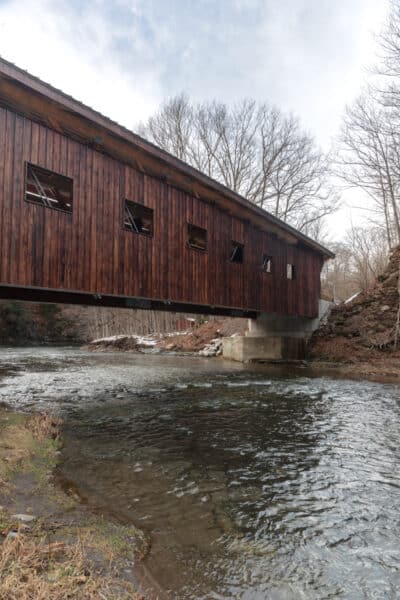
253, 486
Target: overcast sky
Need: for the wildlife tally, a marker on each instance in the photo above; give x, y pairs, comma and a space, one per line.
124, 57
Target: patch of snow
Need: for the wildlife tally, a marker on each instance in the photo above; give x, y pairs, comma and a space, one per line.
140, 340
176, 333
353, 297
112, 338
146, 341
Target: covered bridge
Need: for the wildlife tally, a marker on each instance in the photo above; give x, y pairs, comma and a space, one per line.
92, 213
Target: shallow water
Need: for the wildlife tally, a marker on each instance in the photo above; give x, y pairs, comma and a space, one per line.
253, 483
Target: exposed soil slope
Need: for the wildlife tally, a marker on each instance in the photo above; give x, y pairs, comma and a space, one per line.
364, 330
199, 337
204, 337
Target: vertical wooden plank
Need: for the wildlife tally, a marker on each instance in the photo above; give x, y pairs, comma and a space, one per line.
3, 208
115, 223
121, 237
7, 195
16, 193
24, 246
52, 159
91, 208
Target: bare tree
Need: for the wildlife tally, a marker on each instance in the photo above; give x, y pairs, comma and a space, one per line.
370, 253
254, 150
359, 260
171, 127
294, 179
369, 159
338, 277
388, 68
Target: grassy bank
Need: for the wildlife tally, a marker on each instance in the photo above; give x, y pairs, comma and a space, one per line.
50, 545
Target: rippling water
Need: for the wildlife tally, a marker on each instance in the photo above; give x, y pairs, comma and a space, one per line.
253, 483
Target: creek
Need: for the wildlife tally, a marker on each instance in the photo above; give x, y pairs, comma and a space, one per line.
252, 482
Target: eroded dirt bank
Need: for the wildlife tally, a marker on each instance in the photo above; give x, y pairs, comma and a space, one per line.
360, 337
205, 338
51, 546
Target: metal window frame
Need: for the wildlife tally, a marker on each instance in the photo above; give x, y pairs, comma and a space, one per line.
134, 229
46, 202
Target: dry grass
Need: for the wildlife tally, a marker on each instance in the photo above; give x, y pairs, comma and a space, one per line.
4, 485
28, 445
15, 452
52, 562
44, 427
38, 570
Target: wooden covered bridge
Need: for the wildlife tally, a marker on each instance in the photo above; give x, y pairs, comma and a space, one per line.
91, 213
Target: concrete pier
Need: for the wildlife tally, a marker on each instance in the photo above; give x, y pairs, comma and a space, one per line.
274, 337
244, 349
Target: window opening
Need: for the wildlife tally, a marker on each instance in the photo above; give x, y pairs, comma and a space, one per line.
267, 263
290, 271
237, 253
48, 189
138, 218
197, 237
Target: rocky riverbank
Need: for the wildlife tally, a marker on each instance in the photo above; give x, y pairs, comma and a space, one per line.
52, 546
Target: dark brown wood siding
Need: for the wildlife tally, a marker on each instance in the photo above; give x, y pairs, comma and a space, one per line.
89, 251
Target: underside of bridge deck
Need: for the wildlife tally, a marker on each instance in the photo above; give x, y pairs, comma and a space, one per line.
33, 294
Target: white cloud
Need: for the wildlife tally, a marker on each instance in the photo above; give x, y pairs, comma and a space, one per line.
124, 57
39, 38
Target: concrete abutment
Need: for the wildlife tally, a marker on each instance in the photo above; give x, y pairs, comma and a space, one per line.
274, 337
